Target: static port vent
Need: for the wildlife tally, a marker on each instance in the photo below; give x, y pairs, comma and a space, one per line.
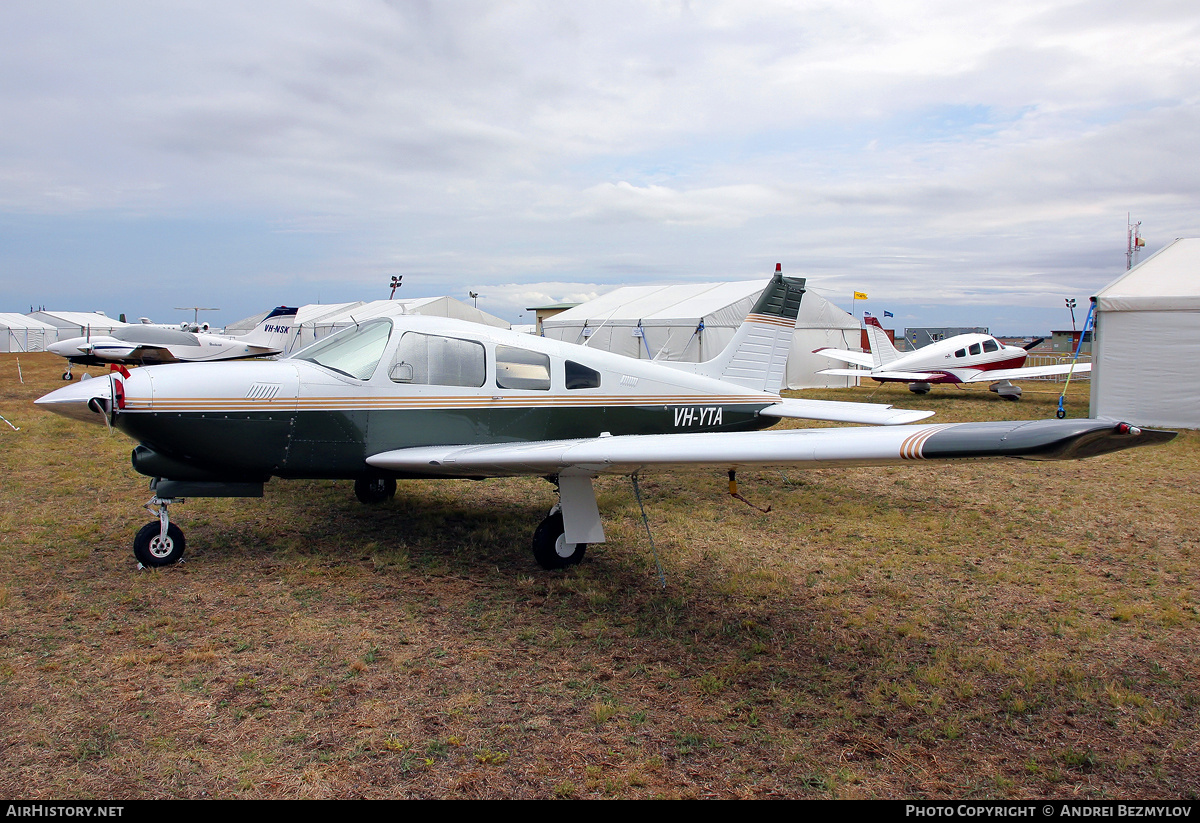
263, 391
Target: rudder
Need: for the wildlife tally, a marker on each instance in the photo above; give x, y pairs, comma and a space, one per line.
757, 355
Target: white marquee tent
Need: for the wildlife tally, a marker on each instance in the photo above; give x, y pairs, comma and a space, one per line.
1146, 352
317, 320
77, 323
694, 322
21, 333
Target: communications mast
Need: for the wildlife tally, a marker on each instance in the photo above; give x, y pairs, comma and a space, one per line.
1134, 242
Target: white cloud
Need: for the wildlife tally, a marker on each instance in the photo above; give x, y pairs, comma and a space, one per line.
918, 146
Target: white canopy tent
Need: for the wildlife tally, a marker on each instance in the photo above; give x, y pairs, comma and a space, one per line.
317, 320
1147, 341
77, 323
21, 333
694, 322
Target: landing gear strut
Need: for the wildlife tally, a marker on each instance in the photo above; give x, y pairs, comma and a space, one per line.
550, 547
159, 543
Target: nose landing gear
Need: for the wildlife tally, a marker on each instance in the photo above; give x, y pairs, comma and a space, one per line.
159, 543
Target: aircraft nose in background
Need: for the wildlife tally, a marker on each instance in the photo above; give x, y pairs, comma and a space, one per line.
65, 348
75, 401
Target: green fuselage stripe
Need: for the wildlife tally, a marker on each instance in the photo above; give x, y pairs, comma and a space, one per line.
336, 443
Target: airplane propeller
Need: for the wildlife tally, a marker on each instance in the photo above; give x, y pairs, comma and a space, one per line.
1034, 344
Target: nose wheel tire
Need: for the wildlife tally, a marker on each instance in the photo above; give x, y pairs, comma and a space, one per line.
550, 546
152, 548
372, 490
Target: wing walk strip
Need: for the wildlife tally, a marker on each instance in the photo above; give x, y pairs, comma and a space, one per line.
214, 404
910, 449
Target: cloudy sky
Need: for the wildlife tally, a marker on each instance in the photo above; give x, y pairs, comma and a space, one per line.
967, 166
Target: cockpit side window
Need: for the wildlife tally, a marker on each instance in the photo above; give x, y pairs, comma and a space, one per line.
430, 360
353, 352
581, 377
991, 345
522, 369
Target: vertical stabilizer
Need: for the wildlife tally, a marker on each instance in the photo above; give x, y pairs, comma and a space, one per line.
274, 330
882, 349
757, 354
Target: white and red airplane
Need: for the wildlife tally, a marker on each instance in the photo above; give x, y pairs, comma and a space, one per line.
965, 358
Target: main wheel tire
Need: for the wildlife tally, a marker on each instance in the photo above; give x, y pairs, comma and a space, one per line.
152, 549
66, 375
550, 547
372, 490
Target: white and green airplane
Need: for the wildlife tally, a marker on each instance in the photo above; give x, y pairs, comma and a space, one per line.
428, 397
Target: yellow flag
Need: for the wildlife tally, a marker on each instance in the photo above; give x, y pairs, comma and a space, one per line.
858, 295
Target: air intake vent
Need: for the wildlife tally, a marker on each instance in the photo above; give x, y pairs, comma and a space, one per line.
263, 391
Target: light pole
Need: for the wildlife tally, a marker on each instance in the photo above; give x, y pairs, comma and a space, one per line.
395, 284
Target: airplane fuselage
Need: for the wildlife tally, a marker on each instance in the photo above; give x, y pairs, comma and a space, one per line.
298, 418
151, 345
957, 359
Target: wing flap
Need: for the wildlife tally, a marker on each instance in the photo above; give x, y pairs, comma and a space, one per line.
626, 454
1026, 372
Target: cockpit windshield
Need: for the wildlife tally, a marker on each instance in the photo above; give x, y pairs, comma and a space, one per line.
354, 352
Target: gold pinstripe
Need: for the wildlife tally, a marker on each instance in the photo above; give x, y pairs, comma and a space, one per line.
222, 404
771, 320
910, 449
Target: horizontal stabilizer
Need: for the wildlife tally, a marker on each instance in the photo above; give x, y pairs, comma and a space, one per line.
884, 375
838, 411
858, 358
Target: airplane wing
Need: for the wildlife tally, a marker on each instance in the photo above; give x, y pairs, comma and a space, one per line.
1026, 372
838, 411
133, 353
859, 358
627, 454
881, 374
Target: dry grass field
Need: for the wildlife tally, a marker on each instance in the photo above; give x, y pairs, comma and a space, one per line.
979, 630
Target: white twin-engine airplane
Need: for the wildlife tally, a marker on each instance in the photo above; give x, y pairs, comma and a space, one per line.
146, 344
427, 397
966, 358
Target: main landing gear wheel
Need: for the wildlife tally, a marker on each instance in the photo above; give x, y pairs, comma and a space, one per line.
152, 548
550, 546
66, 375
372, 490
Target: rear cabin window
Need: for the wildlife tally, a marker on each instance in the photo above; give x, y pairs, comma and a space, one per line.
961, 353
974, 348
430, 360
522, 369
581, 377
